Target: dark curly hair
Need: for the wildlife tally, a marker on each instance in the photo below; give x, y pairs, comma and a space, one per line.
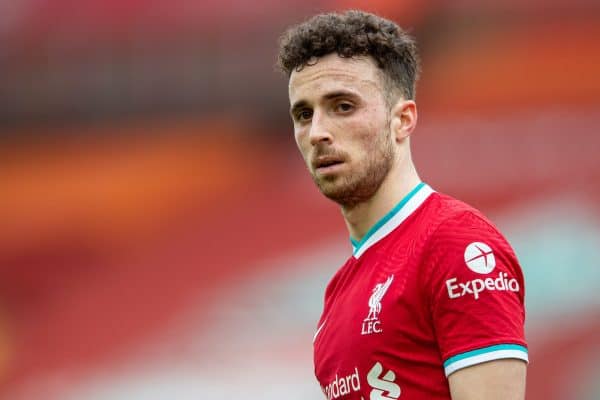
354, 33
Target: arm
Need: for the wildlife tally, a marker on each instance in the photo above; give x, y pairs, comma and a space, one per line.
494, 380
478, 314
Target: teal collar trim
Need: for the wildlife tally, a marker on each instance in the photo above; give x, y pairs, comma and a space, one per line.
357, 245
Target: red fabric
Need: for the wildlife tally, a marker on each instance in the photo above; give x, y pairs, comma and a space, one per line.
489, 315
402, 350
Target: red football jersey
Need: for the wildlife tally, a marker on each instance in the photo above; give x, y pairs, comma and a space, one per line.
432, 288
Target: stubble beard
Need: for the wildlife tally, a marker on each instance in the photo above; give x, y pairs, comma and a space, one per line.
366, 179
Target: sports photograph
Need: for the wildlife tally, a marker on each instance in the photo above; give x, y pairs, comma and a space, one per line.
327, 199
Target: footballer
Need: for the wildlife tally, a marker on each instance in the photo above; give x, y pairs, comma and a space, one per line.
430, 305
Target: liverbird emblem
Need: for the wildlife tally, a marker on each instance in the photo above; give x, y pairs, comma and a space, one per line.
375, 299
371, 324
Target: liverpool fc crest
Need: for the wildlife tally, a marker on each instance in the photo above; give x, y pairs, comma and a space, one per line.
371, 324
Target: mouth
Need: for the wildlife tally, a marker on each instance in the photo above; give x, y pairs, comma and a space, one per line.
324, 164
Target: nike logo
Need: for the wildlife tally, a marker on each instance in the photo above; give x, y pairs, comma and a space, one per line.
319, 330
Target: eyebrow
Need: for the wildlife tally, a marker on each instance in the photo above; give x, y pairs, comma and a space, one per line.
329, 96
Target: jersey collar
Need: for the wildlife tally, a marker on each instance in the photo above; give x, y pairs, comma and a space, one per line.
392, 219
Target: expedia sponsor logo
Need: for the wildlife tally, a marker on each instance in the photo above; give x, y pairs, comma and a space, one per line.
343, 385
479, 257
502, 283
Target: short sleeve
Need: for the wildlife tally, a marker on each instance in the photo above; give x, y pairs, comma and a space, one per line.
476, 293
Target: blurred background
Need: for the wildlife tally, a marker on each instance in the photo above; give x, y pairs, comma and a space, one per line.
161, 239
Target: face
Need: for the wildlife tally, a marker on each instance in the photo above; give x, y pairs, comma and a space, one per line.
342, 126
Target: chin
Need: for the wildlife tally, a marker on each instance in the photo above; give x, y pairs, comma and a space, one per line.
342, 193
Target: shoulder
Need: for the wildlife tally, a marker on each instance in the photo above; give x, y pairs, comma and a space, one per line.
464, 241
474, 289
442, 212
442, 224
457, 221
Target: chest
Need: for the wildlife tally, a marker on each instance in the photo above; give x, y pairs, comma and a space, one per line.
375, 308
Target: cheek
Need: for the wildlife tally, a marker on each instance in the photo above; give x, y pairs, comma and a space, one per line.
302, 143
379, 131
366, 135
370, 122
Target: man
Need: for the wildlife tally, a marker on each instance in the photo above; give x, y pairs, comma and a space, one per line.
430, 304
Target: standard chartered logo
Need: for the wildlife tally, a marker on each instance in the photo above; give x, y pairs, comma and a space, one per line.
342, 385
384, 387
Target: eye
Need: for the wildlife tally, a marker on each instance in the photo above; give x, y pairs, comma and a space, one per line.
304, 115
344, 107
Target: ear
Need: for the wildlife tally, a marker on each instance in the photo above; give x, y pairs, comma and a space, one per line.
403, 119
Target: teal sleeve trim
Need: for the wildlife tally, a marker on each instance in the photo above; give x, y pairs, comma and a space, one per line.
484, 350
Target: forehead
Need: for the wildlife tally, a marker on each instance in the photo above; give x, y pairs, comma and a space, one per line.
331, 73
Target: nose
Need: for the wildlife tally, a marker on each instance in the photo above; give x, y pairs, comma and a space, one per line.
319, 131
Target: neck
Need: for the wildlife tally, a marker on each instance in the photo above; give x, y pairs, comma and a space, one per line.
397, 184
